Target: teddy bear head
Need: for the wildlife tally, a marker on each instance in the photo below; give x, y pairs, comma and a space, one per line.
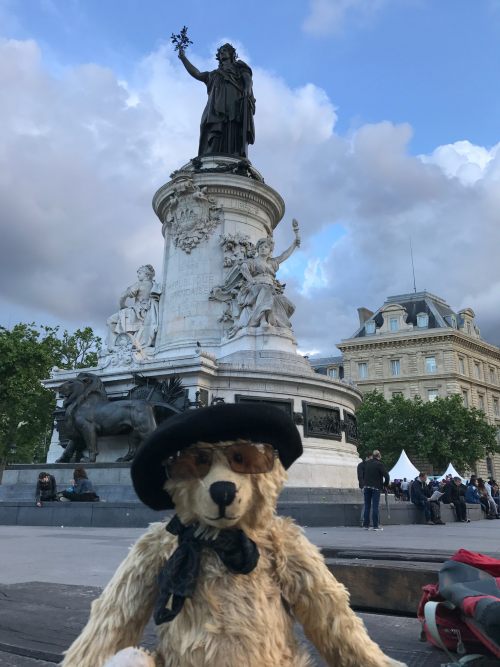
222, 466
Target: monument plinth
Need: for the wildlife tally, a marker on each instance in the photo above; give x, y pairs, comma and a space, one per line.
220, 319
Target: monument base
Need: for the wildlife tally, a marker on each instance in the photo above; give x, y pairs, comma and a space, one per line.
322, 408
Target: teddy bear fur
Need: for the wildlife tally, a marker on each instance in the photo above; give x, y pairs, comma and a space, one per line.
232, 620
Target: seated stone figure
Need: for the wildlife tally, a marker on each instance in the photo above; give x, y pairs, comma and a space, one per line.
139, 320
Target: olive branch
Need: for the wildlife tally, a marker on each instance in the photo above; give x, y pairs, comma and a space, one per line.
181, 41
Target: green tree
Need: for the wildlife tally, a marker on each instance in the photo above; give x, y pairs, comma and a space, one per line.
27, 355
437, 431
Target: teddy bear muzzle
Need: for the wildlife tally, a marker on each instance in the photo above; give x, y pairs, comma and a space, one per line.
223, 494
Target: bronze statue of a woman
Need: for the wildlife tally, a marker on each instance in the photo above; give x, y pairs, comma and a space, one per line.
227, 125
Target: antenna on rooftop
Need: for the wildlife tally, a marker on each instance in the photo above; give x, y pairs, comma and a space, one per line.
413, 268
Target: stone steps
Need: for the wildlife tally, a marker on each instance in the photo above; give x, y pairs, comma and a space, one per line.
136, 515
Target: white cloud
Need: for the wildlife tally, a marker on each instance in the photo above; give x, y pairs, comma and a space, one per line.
79, 165
314, 276
327, 17
462, 160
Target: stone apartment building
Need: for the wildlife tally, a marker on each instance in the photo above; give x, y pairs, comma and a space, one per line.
415, 344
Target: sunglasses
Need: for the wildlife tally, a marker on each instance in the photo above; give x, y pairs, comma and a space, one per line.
246, 458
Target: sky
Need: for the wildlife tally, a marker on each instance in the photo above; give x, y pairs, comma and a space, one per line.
377, 121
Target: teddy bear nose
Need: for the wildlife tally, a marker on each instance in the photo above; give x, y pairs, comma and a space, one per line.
223, 493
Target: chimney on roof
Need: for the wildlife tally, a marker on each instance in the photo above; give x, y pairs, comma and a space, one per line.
364, 314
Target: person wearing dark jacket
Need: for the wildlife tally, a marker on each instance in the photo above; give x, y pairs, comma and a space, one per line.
455, 495
419, 496
46, 488
361, 473
471, 493
375, 477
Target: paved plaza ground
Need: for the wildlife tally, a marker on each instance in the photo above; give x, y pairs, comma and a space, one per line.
41, 553
72, 564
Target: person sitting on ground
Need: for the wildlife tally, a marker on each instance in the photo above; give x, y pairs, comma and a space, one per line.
454, 494
81, 489
375, 478
46, 488
419, 496
487, 502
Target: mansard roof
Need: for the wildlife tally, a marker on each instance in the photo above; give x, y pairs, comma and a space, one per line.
440, 314
320, 362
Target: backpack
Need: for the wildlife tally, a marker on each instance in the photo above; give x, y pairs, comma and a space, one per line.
462, 613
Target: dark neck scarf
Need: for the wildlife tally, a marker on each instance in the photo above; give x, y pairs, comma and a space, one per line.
177, 578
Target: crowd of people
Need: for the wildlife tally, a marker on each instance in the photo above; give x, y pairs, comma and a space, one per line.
80, 489
426, 494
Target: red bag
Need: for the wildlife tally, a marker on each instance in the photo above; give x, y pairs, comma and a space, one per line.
455, 624
454, 633
482, 562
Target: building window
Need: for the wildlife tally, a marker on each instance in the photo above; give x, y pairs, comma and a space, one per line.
465, 396
461, 365
363, 370
454, 321
496, 407
394, 324
480, 402
432, 394
370, 327
493, 378
422, 320
397, 393
332, 372
395, 367
430, 365
477, 370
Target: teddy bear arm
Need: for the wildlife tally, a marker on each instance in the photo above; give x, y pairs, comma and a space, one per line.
321, 604
119, 615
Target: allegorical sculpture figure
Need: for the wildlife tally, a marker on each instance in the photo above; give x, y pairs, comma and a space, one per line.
227, 125
138, 321
253, 295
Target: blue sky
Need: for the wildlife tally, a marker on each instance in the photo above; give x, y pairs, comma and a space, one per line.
376, 120
431, 63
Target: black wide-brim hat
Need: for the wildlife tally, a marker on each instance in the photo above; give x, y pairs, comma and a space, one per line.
218, 423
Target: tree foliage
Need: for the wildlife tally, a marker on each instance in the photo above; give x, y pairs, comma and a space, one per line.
436, 431
27, 355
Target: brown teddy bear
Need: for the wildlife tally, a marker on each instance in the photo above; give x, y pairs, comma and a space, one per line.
226, 578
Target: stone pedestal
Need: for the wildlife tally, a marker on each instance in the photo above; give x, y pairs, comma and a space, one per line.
213, 213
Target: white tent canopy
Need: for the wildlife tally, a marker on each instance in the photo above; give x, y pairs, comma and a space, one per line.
403, 468
450, 470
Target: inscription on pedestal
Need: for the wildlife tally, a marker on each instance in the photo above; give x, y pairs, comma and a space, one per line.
280, 403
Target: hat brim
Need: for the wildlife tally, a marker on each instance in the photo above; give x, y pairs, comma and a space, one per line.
218, 423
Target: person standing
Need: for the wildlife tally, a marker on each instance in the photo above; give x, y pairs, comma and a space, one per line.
361, 483
374, 479
405, 489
